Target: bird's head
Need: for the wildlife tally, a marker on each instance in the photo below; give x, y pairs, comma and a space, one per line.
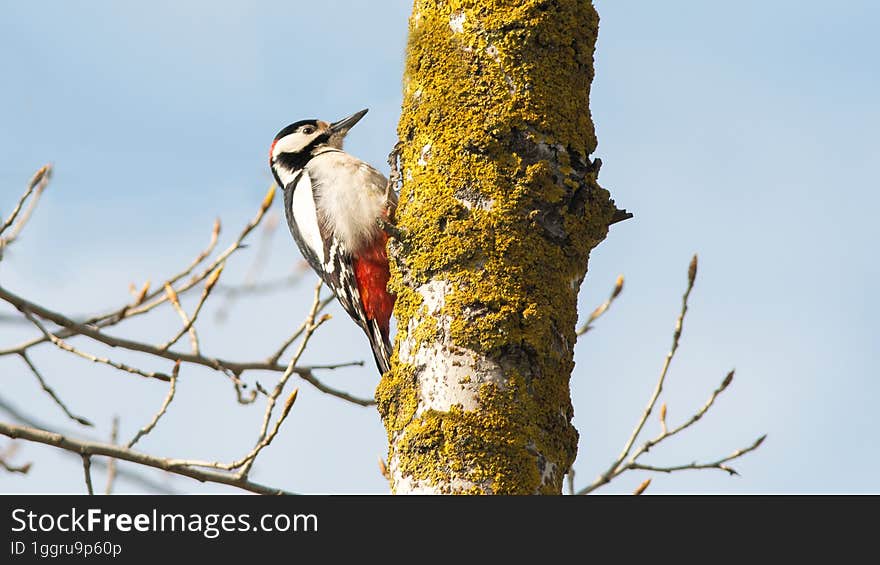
298, 142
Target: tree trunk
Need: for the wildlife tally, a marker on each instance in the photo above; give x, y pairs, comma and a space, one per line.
499, 210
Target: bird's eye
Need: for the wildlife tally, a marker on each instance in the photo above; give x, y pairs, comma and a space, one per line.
308, 130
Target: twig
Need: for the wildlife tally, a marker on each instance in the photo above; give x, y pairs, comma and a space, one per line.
8, 452
261, 257
663, 418
69, 348
607, 475
719, 464
602, 308
87, 469
89, 448
28, 421
175, 302
666, 434
51, 393
111, 464
219, 260
265, 437
153, 299
35, 186
241, 398
622, 464
227, 367
310, 327
23, 469
249, 459
209, 285
116, 316
146, 300
642, 487
168, 398
289, 341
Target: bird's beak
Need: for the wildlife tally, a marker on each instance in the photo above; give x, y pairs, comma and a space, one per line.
342, 126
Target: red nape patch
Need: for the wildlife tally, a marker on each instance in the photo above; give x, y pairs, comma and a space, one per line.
372, 274
272, 150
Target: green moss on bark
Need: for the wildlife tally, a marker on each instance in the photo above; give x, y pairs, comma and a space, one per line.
500, 201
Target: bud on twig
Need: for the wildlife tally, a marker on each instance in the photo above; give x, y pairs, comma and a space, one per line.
267, 200
727, 380
692, 270
618, 287
642, 487
171, 294
289, 404
212, 280
142, 294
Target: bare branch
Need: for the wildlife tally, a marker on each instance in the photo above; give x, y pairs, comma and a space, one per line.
36, 186
175, 302
88, 448
87, 469
310, 327
602, 308
153, 299
612, 470
209, 284
666, 434
145, 300
219, 260
289, 341
51, 393
69, 348
642, 487
132, 476
23, 469
168, 398
241, 398
622, 464
229, 368
111, 464
249, 459
720, 464
7, 453
265, 437
260, 259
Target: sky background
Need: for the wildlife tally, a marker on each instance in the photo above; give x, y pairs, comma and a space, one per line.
745, 132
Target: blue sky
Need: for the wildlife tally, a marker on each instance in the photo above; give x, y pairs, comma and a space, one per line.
745, 132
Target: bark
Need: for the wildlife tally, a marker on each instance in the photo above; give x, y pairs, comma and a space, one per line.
499, 209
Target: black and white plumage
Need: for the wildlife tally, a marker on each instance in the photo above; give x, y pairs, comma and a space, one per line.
333, 203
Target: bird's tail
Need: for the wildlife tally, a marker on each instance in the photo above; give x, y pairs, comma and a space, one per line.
381, 345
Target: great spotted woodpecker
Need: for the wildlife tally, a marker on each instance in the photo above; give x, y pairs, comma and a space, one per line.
334, 205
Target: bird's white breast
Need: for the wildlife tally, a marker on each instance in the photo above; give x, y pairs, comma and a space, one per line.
350, 196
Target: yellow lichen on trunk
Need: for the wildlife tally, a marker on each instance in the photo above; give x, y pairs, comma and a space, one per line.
500, 208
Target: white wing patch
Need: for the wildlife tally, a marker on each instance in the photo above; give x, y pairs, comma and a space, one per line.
302, 208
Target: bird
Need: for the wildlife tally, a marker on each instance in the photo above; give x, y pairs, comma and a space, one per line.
336, 206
